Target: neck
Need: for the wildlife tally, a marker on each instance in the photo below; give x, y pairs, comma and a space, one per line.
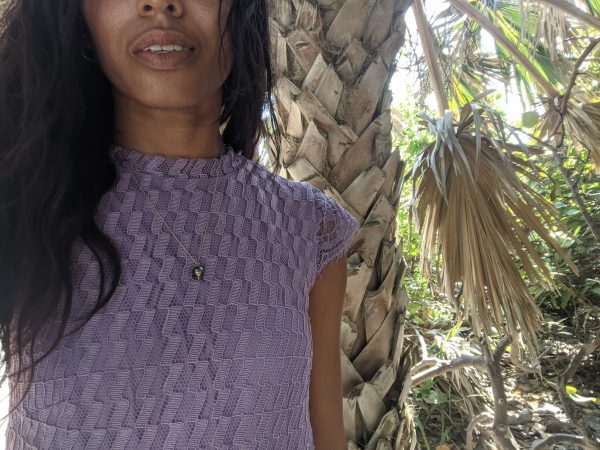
186, 133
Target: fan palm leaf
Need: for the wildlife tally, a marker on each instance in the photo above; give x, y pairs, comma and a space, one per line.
580, 122
475, 216
551, 27
503, 37
572, 10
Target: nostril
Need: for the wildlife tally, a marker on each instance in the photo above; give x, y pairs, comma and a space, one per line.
147, 8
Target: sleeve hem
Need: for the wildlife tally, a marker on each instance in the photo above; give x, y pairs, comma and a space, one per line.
340, 252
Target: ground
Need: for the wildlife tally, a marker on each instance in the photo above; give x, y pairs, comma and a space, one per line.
538, 398
533, 402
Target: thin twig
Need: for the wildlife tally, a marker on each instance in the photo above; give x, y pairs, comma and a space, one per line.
423, 345
595, 230
562, 111
564, 102
576, 72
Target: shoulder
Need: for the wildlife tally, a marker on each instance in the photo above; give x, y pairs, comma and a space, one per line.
270, 182
330, 217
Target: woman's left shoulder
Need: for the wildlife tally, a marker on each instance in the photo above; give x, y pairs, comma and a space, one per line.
277, 185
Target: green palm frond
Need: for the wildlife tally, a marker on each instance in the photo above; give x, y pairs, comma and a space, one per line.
551, 27
538, 55
594, 6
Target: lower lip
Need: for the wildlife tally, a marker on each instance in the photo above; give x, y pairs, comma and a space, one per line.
164, 61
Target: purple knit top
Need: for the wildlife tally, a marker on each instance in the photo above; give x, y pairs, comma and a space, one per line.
172, 362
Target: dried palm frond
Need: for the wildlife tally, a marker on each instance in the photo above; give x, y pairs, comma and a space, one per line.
581, 124
475, 216
551, 26
573, 11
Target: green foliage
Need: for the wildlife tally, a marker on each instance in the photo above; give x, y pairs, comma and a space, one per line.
582, 246
411, 141
429, 394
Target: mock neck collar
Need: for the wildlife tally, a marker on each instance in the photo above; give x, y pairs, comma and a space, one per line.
134, 159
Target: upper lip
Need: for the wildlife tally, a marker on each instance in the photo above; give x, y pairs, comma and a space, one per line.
158, 36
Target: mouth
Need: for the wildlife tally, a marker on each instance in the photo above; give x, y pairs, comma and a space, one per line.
152, 39
163, 49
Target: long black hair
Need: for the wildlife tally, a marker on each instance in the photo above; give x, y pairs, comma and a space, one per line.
56, 128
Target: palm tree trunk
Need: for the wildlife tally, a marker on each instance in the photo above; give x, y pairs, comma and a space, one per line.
335, 59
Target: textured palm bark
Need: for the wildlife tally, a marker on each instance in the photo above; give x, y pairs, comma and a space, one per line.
334, 61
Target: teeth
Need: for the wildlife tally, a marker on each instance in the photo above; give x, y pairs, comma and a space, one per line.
165, 48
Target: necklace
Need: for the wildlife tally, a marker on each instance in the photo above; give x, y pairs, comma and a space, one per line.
198, 269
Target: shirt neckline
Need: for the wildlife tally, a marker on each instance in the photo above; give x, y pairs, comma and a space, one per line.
136, 160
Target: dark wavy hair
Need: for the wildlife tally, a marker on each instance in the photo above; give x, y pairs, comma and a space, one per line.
53, 104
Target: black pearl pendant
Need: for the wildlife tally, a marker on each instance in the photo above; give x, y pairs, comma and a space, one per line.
198, 273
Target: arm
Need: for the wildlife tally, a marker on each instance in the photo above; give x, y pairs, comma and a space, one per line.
325, 393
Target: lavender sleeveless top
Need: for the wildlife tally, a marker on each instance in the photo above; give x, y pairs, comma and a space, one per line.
172, 362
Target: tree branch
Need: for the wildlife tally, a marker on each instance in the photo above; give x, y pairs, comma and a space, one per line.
564, 105
497, 426
501, 434
578, 63
477, 422
442, 366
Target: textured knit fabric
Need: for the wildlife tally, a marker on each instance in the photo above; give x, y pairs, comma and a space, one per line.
172, 362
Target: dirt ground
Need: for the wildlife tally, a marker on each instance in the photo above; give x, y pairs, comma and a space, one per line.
537, 400
533, 403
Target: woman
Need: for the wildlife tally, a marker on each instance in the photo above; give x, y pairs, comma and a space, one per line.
168, 291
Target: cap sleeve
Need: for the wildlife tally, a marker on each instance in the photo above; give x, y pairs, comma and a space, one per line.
336, 228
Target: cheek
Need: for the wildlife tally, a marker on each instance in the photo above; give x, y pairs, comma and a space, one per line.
106, 21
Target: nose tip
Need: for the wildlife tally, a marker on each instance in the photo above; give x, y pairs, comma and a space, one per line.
150, 7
